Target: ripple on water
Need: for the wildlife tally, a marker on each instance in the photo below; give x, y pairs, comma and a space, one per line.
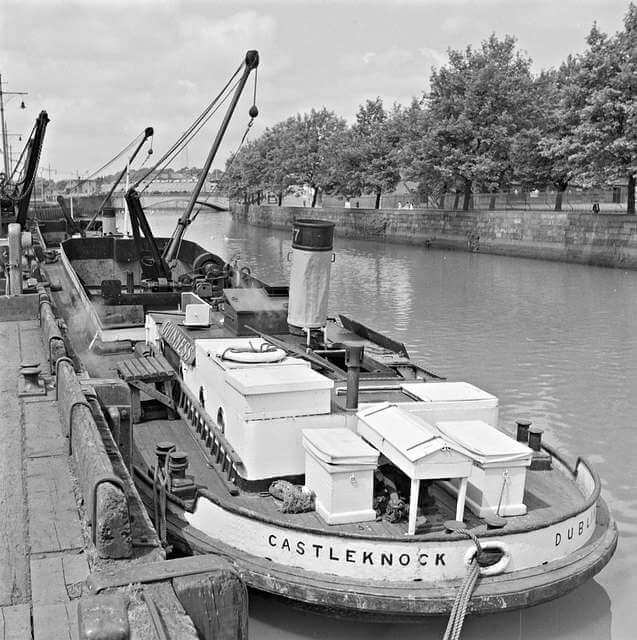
555, 342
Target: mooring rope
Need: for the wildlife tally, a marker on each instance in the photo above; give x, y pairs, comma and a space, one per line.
463, 597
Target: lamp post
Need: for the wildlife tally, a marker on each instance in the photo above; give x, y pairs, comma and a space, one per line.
5, 144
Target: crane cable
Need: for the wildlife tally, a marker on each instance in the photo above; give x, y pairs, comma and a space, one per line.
176, 147
80, 182
253, 114
186, 141
17, 164
26, 190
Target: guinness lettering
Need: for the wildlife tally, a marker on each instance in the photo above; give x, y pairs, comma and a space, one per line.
179, 341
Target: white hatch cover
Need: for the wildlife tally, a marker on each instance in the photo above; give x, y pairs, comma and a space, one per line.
276, 379
446, 392
339, 446
482, 442
417, 448
411, 436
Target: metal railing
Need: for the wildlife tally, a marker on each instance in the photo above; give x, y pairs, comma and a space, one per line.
608, 201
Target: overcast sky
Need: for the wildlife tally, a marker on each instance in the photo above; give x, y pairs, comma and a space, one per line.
104, 70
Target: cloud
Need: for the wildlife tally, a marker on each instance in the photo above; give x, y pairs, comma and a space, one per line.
103, 74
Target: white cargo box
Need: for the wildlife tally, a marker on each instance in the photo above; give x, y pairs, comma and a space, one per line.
277, 391
498, 476
451, 401
339, 468
416, 448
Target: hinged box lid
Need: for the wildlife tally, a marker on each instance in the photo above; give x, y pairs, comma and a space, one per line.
447, 392
484, 443
408, 441
276, 379
413, 437
339, 446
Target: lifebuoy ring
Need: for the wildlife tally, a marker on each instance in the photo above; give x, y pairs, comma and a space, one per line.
494, 569
267, 353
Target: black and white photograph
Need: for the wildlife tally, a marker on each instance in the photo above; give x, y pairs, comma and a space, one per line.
318, 319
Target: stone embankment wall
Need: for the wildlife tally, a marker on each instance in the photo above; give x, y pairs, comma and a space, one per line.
604, 239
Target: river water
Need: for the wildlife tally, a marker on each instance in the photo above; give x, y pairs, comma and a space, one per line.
557, 343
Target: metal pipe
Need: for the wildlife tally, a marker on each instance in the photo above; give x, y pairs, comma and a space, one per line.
170, 252
341, 391
5, 147
353, 361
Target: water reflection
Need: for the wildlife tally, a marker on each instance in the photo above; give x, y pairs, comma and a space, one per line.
552, 620
556, 343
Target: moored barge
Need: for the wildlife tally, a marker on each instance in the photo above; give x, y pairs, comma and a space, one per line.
231, 393
313, 452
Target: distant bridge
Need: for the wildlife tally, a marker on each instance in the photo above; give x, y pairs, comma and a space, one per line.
180, 202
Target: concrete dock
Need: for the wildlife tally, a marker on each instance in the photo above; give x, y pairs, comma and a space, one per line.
48, 556
43, 562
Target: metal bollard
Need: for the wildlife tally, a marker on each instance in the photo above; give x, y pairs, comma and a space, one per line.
522, 434
535, 438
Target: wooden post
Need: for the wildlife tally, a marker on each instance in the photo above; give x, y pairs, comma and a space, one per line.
15, 259
217, 603
413, 505
462, 494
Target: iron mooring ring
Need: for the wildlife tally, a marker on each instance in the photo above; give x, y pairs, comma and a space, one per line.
57, 372
102, 479
77, 403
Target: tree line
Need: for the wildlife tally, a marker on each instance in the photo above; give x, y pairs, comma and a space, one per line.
486, 124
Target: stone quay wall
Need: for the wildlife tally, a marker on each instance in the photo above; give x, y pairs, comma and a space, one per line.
608, 240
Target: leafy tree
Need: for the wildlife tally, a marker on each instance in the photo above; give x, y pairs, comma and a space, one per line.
370, 154
606, 138
541, 154
242, 175
478, 103
313, 139
413, 126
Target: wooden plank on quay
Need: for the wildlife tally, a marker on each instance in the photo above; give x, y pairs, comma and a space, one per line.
31, 345
110, 577
43, 430
14, 586
54, 523
55, 621
15, 622
57, 579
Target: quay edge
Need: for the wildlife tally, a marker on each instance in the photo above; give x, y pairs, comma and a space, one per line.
607, 240
48, 559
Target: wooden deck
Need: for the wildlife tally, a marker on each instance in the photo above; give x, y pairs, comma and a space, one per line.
42, 559
549, 494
